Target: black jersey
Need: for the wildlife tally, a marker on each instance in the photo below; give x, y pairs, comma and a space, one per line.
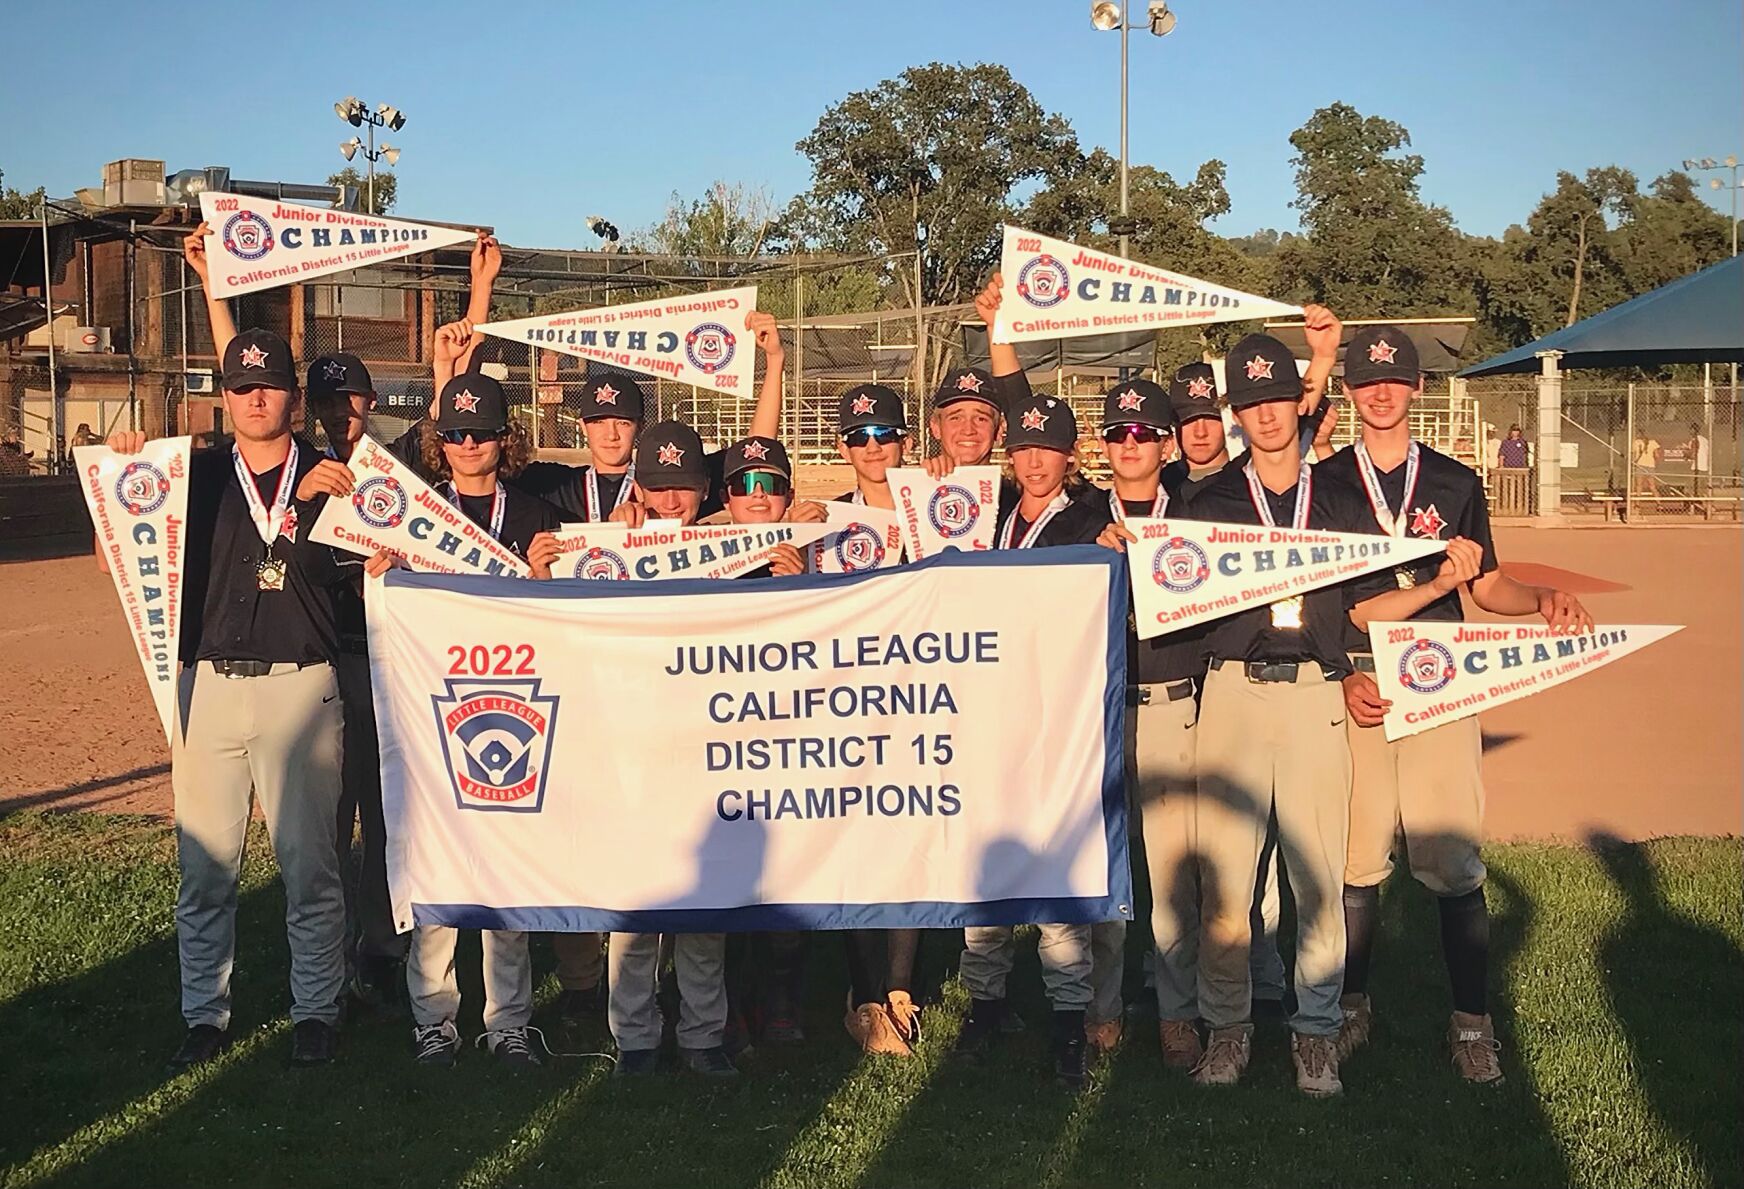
524, 516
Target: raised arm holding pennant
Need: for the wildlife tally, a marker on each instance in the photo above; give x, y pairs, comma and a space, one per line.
1060, 290
139, 507
261, 243
859, 538
391, 508
1185, 572
661, 550
960, 511
696, 339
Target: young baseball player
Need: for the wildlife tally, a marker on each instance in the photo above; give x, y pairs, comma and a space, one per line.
257, 711
1427, 787
1041, 442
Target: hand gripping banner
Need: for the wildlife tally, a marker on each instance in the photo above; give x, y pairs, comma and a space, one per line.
900, 747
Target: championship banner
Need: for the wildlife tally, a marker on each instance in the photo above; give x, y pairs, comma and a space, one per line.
391, 508
959, 511
139, 507
1054, 289
860, 538
699, 756
696, 339
261, 243
1435, 671
662, 549
1185, 572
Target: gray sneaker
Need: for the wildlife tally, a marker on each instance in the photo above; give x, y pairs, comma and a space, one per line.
436, 1044
1226, 1056
710, 1063
1316, 1065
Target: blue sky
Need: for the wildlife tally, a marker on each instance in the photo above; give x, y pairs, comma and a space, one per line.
530, 116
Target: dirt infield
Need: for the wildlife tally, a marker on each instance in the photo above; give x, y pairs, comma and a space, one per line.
1646, 747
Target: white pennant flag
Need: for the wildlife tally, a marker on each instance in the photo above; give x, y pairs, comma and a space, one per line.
1436, 671
696, 339
261, 243
860, 538
391, 508
1185, 572
1054, 289
661, 549
959, 511
139, 507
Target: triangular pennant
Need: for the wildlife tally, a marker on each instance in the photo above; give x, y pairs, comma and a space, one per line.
261, 243
959, 511
658, 550
1436, 671
1189, 571
1054, 289
860, 538
391, 508
699, 338
139, 507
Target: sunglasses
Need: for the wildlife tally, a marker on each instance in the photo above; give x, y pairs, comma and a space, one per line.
457, 437
751, 482
866, 434
1144, 435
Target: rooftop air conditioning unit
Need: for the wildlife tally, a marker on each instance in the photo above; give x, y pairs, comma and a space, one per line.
133, 181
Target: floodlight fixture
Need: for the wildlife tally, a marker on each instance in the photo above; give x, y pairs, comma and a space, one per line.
1105, 15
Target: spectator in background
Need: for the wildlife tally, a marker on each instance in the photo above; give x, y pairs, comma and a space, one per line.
1514, 452
1699, 450
83, 436
1647, 456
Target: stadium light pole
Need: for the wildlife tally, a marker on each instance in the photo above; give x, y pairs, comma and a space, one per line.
1105, 15
356, 113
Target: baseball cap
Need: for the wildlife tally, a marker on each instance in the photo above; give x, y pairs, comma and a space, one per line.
1138, 402
757, 454
1259, 368
871, 404
1042, 421
968, 383
257, 359
1193, 392
341, 372
473, 401
1377, 353
669, 454
612, 394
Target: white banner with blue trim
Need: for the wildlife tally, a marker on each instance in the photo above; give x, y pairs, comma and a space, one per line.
895, 747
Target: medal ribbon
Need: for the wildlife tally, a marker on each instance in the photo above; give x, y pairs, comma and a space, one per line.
1158, 505
498, 506
595, 508
1393, 526
1052, 510
268, 522
1262, 505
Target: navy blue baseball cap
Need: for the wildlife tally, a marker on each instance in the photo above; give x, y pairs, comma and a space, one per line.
756, 454
339, 373
473, 401
1042, 421
1259, 368
257, 359
1378, 353
669, 454
872, 404
612, 394
1193, 392
1138, 402
969, 383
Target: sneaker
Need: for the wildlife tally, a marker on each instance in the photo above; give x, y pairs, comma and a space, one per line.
313, 1042
904, 1015
635, 1063
981, 1031
202, 1043
710, 1063
875, 1032
1359, 1021
1103, 1037
1316, 1064
436, 1044
1182, 1048
1070, 1049
511, 1047
1476, 1051
1226, 1056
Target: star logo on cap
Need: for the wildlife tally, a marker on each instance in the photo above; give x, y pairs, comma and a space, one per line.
1035, 419
756, 450
1380, 351
670, 455
1131, 400
605, 394
465, 402
1259, 368
863, 404
1199, 388
253, 356
969, 382
1427, 522
333, 370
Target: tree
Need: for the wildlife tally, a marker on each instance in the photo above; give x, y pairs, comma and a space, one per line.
17, 205
731, 219
1672, 233
386, 187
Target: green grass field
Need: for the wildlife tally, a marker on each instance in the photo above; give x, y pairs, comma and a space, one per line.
1620, 971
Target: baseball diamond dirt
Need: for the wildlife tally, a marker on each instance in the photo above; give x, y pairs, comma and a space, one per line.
1648, 746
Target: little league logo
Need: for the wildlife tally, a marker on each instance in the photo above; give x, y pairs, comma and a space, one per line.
709, 347
601, 565
142, 488
952, 510
1426, 667
859, 547
496, 738
1043, 282
1180, 566
380, 502
247, 236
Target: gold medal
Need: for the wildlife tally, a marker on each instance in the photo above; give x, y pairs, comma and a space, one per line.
270, 574
1287, 614
1405, 576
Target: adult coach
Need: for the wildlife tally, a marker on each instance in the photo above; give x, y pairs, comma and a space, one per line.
257, 706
